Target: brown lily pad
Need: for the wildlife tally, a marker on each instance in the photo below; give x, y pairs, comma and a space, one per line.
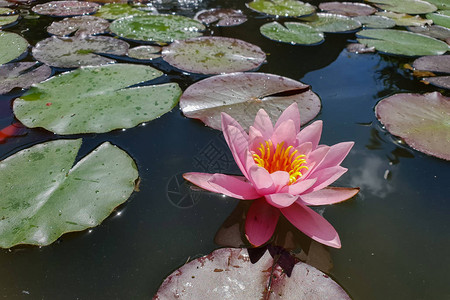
22, 74
87, 25
221, 16
66, 8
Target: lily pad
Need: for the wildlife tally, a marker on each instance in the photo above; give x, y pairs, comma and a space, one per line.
349, 9
213, 55
228, 273
401, 42
22, 74
81, 25
223, 16
292, 32
145, 52
43, 196
359, 48
66, 52
285, 8
375, 21
423, 121
440, 19
241, 95
66, 8
7, 20
438, 64
333, 23
434, 31
405, 6
157, 28
440, 4
12, 46
100, 99
405, 19
114, 11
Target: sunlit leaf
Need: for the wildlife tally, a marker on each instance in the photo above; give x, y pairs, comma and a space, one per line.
113, 11
333, 23
43, 196
349, 9
440, 19
100, 99
421, 120
405, 6
12, 46
440, 4
65, 8
375, 21
292, 33
241, 95
221, 16
405, 19
80, 24
213, 55
22, 74
286, 8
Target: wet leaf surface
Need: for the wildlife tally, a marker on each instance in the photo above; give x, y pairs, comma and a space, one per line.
12, 46
114, 11
333, 23
66, 8
292, 33
349, 9
80, 25
375, 21
285, 8
22, 74
405, 6
221, 17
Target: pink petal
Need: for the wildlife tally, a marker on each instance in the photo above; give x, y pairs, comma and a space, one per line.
280, 179
300, 186
227, 120
238, 144
312, 224
263, 124
261, 180
255, 138
281, 200
260, 222
304, 148
285, 132
311, 134
231, 186
314, 159
329, 195
325, 177
290, 113
335, 155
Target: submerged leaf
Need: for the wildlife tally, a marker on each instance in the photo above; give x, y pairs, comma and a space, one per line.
43, 196
22, 74
100, 100
223, 16
80, 25
421, 120
285, 8
292, 33
12, 46
66, 8
241, 95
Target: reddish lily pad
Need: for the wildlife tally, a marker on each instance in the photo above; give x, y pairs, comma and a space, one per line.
22, 74
223, 16
66, 8
64, 52
349, 9
228, 273
241, 95
440, 64
80, 25
435, 31
423, 121
213, 55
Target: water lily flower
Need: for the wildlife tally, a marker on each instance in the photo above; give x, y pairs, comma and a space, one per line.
285, 171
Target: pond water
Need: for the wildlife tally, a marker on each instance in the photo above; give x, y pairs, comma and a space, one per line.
395, 233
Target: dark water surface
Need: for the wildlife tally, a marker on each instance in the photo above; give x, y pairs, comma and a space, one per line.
395, 233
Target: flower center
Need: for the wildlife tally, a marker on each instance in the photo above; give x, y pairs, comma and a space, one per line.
280, 158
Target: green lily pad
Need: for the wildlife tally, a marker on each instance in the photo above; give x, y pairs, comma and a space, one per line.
145, 52
349, 9
241, 95
80, 24
405, 19
22, 74
401, 42
440, 4
375, 21
435, 31
7, 20
333, 23
423, 121
66, 52
12, 46
114, 11
292, 32
66, 8
213, 55
100, 99
157, 28
440, 19
43, 196
285, 8
405, 6
6, 11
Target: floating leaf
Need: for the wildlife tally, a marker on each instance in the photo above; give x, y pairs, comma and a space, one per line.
286, 8
145, 52
440, 19
375, 21
404, 19
292, 33
440, 4
333, 23
7, 20
421, 120
213, 55
65, 52
401, 42
434, 31
349, 9
12, 46
6, 11
241, 95
80, 25
359, 48
440, 64
22, 74
113, 11
99, 100
66, 8
405, 6
223, 16
157, 28
228, 273
43, 197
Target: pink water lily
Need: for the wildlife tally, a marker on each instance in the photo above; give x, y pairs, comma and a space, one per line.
285, 170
